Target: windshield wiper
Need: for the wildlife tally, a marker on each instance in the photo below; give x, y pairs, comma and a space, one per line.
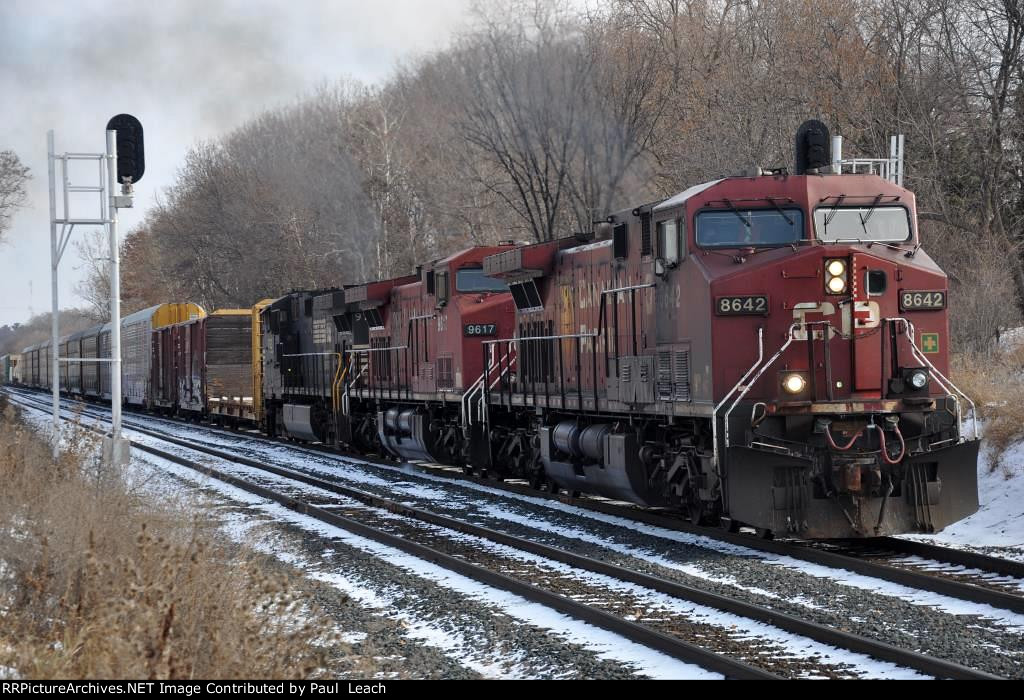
871, 210
832, 213
736, 212
780, 210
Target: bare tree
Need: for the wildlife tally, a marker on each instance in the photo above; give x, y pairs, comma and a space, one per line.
94, 287
13, 176
521, 103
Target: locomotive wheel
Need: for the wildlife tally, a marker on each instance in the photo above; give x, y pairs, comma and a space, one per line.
695, 511
764, 533
730, 524
537, 480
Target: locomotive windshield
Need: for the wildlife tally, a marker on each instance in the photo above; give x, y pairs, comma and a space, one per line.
754, 228
473, 279
834, 224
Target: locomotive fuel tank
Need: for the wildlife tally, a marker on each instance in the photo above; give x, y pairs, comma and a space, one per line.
405, 434
594, 459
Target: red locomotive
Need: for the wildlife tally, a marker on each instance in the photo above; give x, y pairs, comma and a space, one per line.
766, 350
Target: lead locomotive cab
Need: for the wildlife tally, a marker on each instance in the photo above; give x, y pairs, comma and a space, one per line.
844, 422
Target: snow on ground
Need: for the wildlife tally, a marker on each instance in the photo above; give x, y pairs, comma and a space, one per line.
979, 530
607, 644
999, 522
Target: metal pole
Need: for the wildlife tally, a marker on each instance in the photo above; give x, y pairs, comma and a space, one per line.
115, 291
54, 321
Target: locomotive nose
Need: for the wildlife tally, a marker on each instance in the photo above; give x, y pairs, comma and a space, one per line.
839, 311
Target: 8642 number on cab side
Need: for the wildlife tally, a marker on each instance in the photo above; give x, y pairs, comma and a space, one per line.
744, 305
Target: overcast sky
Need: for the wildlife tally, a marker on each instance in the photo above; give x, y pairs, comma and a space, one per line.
189, 70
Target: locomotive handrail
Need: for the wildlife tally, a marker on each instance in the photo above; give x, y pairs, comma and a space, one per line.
391, 389
750, 385
360, 351
940, 377
335, 382
745, 386
541, 337
339, 377
628, 289
356, 374
714, 411
483, 386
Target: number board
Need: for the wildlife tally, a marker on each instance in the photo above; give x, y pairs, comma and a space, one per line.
741, 306
922, 300
480, 329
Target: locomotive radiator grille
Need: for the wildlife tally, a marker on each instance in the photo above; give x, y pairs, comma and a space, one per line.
681, 375
445, 376
665, 375
673, 375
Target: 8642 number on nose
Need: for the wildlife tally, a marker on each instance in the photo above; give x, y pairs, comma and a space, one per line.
755, 305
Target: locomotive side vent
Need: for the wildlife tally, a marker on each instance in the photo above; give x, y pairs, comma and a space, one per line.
664, 375
526, 296
445, 376
673, 375
342, 323
681, 375
374, 319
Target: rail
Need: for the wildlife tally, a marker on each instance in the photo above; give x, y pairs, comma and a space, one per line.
820, 632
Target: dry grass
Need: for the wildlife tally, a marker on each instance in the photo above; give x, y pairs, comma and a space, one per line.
995, 381
96, 582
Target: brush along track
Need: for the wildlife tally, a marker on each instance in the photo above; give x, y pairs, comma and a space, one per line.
570, 587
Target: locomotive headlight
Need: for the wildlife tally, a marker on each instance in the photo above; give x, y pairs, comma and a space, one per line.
918, 379
835, 276
837, 285
794, 383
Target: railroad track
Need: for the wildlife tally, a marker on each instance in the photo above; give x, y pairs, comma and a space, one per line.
671, 636
982, 579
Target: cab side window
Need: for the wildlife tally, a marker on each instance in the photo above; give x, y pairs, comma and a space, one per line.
441, 287
670, 248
